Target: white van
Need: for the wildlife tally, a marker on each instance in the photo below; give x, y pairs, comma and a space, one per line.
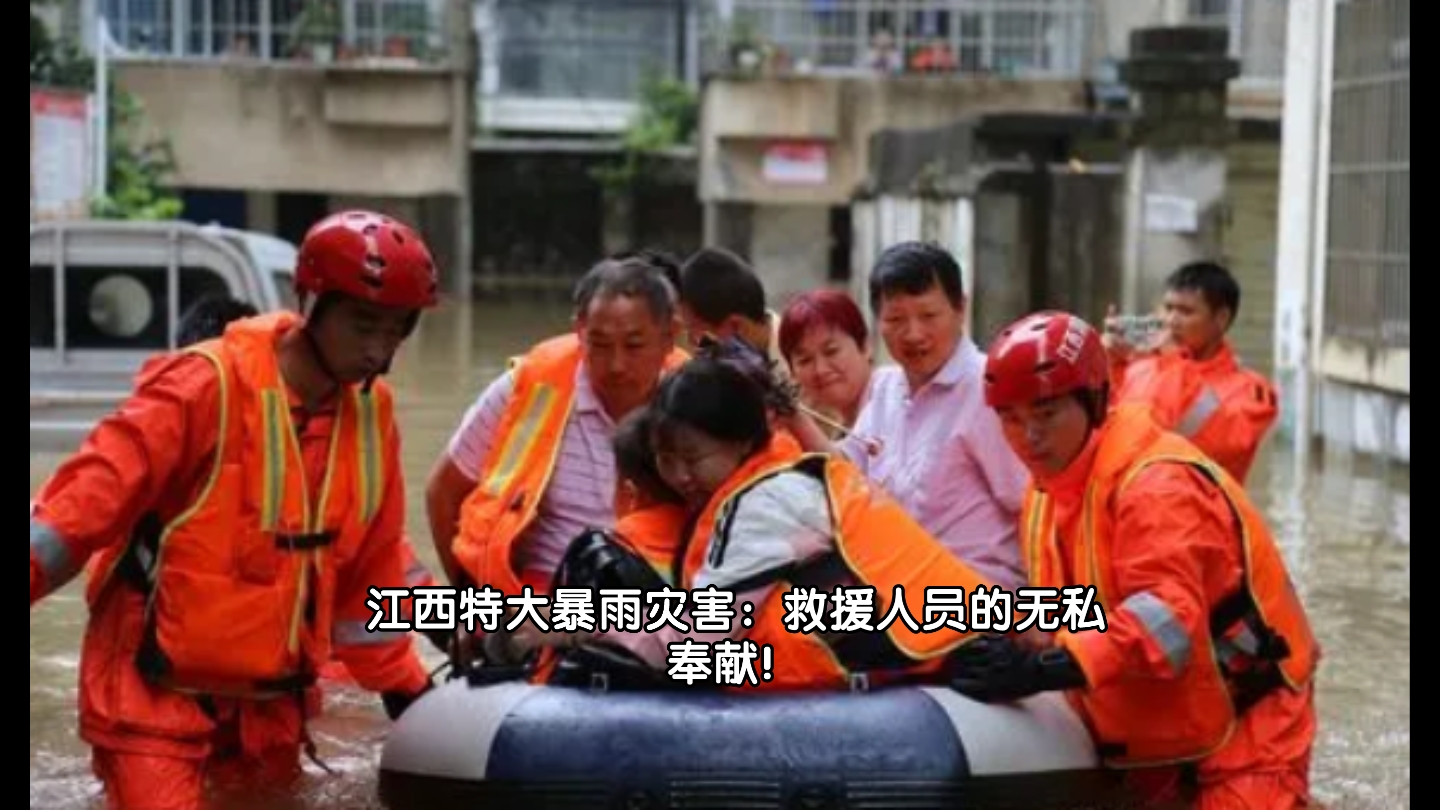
105, 296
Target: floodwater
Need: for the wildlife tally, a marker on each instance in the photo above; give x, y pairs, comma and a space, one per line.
1345, 528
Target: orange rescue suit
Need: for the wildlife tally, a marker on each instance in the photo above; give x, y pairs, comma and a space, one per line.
1202, 617
1222, 407
877, 544
417, 575
521, 461
253, 544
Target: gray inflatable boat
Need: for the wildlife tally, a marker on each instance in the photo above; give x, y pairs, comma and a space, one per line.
515, 745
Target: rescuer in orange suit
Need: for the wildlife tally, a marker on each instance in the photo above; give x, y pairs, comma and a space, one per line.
1195, 383
256, 478
206, 319
1206, 664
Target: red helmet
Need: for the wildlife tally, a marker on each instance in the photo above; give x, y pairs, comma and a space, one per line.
367, 256
1044, 355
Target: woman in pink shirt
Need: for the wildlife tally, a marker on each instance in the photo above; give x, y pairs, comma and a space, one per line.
826, 344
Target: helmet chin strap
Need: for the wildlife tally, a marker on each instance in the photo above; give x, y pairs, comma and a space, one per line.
413, 322
312, 310
1096, 403
385, 369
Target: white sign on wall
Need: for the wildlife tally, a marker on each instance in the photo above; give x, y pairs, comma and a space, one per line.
1166, 213
60, 175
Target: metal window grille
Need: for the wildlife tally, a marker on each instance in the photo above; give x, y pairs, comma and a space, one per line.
1024, 38
1367, 272
278, 29
587, 49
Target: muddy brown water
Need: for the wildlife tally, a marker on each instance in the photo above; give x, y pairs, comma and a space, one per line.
1344, 525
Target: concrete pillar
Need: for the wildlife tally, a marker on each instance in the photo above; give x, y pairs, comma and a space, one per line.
262, 211
439, 224
461, 18
461, 281
1302, 170
405, 209
617, 232
1175, 173
790, 249
1001, 269
729, 226
788, 245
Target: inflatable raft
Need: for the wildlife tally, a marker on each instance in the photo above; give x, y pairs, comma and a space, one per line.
533, 747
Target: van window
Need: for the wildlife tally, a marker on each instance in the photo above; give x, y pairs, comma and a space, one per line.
125, 308
42, 307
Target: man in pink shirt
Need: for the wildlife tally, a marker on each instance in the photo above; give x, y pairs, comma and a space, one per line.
925, 435
625, 336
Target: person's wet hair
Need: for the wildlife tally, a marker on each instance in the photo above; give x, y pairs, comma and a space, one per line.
716, 284
636, 276
664, 261
714, 398
914, 268
208, 317
1214, 283
635, 457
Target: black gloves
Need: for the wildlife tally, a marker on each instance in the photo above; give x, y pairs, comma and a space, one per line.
997, 669
397, 702
597, 560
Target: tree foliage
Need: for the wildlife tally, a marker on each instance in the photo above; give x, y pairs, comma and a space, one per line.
668, 116
138, 166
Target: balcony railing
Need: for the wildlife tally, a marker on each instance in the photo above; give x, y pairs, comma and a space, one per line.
401, 31
1016, 38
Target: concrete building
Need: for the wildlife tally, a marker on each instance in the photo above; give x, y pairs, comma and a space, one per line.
799, 94
279, 112
487, 122
1342, 344
490, 122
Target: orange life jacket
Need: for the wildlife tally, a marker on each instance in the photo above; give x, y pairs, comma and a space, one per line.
241, 598
877, 544
1147, 721
654, 532
1222, 407
521, 461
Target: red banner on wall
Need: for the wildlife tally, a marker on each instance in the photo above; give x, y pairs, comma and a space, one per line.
796, 163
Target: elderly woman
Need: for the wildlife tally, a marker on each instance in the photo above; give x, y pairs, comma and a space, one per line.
824, 340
